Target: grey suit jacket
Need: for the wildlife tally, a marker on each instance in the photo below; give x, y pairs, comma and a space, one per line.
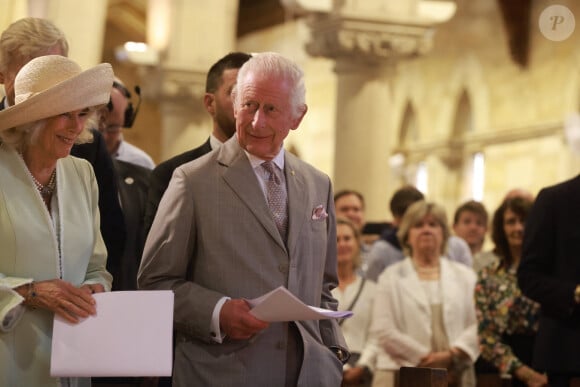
214, 236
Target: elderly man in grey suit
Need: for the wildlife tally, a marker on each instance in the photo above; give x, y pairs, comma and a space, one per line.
238, 223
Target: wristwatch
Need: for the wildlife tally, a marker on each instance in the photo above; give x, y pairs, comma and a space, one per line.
341, 354
577, 294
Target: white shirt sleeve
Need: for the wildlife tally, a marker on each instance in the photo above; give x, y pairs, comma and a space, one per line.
216, 333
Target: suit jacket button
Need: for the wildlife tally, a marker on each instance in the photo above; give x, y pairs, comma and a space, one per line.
283, 268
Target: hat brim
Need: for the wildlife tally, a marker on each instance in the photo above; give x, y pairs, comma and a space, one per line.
89, 88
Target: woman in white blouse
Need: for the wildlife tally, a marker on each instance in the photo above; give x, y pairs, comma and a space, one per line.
424, 313
356, 294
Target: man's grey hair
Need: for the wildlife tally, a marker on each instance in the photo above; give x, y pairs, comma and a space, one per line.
276, 65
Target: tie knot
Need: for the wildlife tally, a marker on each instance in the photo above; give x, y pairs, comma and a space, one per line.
271, 169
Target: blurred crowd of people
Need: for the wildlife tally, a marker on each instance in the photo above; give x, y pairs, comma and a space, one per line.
468, 315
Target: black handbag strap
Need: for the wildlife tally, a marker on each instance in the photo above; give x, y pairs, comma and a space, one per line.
353, 303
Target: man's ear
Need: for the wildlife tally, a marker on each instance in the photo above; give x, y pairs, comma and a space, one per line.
208, 103
301, 113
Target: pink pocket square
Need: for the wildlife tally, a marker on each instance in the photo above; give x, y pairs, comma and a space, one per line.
319, 213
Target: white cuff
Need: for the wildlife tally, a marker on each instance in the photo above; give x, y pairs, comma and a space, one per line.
216, 334
11, 308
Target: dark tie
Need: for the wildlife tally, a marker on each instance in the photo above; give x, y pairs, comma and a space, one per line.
277, 199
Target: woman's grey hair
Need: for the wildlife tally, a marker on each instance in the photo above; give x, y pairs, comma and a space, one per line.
20, 137
414, 214
274, 64
28, 38
357, 260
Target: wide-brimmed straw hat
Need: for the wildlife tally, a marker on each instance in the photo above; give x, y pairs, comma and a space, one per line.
51, 85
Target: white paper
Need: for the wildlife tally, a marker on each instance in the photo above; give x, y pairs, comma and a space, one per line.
281, 305
131, 335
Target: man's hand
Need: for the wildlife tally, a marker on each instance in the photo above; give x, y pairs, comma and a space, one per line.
353, 376
236, 321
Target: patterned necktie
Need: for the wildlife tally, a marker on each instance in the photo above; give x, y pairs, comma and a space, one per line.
277, 199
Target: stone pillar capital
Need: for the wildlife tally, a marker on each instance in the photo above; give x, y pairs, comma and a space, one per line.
369, 40
172, 85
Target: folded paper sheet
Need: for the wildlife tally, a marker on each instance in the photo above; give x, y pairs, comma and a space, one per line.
281, 305
131, 335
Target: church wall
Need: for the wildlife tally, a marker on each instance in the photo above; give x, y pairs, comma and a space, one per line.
516, 113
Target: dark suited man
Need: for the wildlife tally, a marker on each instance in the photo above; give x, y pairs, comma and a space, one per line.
549, 274
219, 237
133, 183
25, 40
220, 81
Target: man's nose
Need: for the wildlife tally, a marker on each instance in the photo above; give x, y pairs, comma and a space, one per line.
259, 119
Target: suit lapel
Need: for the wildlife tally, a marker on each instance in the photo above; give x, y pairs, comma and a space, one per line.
241, 178
297, 201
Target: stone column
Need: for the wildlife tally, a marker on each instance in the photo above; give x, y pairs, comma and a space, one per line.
84, 34
366, 45
200, 33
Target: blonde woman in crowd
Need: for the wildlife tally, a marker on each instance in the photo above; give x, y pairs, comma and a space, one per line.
357, 294
424, 313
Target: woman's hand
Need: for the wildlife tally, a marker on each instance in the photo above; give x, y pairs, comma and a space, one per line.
531, 377
64, 299
93, 288
441, 359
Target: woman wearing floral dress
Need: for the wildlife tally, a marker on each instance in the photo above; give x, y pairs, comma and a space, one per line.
508, 321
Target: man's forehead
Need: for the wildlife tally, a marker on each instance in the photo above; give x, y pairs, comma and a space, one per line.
348, 201
470, 214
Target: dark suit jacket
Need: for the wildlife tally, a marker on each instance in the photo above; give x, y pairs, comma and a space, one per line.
112, 221
161, 176
549, 273
112, 224
133, 182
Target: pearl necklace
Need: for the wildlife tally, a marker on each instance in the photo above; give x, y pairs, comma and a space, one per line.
427, 270
45, 190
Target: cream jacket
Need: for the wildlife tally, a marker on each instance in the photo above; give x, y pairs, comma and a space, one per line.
29, 251
402, 315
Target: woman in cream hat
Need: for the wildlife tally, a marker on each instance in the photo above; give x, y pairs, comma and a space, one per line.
52, 256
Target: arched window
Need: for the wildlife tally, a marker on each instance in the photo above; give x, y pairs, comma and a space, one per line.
411, 171
468, 165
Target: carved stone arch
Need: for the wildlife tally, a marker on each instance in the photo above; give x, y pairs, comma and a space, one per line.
463, 121
462, 125
408, 128
467, 77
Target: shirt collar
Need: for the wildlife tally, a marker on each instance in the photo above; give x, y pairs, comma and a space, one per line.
214, 143
256, 161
